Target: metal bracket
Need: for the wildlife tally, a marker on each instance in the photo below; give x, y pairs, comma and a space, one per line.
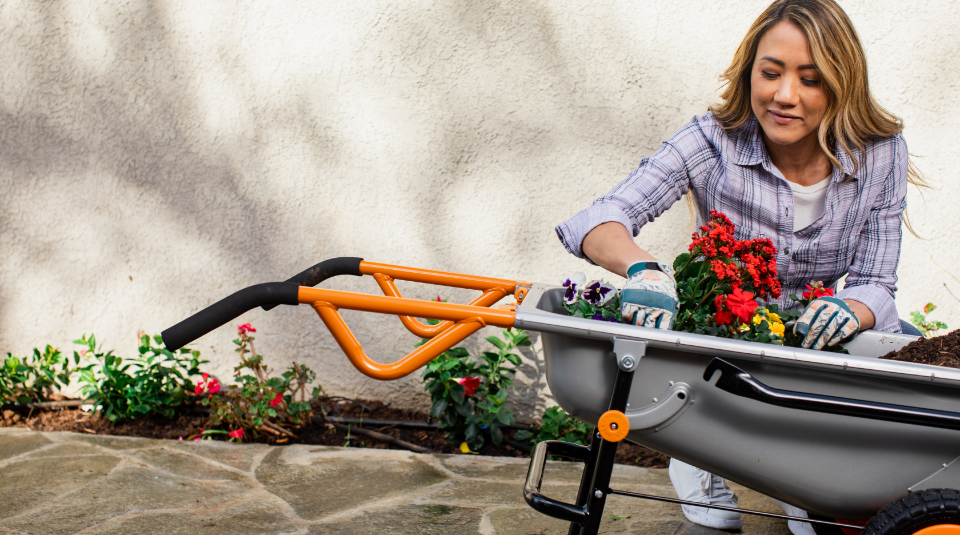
654, 416
629, 352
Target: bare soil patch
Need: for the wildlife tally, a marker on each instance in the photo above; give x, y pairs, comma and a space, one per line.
939, 351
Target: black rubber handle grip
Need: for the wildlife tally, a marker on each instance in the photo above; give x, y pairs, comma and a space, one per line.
344, 265
225, 310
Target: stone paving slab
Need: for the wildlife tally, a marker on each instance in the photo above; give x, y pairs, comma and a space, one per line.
65, 483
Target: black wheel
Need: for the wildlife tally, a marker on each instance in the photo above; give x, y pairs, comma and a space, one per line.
936, 510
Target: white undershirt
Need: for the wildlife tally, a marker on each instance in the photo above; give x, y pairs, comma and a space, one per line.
808, 203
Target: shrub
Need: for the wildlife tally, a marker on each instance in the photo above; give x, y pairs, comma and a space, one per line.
260, 400
557, 425
928, 328
33, 378
156, 382
467, 397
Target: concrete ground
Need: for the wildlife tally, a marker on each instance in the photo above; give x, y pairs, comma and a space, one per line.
59, 483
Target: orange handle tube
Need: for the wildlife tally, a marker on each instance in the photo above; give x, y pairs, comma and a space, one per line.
401, 306
458, 321
403, 367
440, 278
429, 331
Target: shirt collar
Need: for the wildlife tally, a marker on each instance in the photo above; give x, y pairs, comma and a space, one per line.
751, 151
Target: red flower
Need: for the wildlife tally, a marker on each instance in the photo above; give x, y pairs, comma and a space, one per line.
211, 386
741, 304
276, 401
246, 328
470, 385
723, 316
236, 434
816, 290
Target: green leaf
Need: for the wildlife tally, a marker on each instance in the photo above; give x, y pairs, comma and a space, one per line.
438, 408
496, 435
496, 341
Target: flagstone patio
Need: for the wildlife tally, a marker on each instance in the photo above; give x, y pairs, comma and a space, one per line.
60, 483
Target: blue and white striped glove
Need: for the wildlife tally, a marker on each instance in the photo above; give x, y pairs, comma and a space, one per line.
826, 321
649, 298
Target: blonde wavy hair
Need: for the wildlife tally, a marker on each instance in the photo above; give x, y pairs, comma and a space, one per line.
853, 116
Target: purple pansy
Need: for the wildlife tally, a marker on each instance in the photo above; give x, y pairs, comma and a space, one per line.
599, 293
599, 316
572, 285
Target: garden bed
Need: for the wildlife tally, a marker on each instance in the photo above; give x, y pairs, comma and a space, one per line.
191, 422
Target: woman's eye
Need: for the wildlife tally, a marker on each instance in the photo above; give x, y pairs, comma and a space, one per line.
768, 75
807, 81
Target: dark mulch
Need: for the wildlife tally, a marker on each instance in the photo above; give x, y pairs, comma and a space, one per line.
186, 424
940, 351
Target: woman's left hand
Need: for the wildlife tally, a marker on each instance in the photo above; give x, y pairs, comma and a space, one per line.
827, 321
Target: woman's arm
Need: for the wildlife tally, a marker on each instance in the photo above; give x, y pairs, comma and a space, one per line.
863, 314
660, 180
610, 246
872, 276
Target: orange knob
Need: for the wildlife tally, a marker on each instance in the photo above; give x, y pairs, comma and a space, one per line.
613, 426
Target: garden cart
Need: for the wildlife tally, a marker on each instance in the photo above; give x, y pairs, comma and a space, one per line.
842, 436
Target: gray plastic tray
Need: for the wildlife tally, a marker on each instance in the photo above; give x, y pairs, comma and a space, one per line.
837, 466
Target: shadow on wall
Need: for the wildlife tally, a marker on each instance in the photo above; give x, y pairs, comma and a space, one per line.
169, 143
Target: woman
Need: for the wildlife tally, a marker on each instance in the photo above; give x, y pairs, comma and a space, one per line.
797, 151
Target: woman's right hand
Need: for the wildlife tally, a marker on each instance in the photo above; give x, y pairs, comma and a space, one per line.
649, 298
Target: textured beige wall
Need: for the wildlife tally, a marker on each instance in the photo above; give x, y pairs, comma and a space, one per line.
158, 155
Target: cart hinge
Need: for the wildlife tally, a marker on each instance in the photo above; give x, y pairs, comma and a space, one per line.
629, 352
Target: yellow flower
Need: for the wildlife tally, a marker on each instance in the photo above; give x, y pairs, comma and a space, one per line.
757, 319
745, 327
777, 329
466, 449
774, 317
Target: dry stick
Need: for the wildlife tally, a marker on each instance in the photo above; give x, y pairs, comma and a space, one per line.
277, 429
381, 436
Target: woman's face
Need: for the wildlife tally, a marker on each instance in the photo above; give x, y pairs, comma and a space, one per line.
785, 90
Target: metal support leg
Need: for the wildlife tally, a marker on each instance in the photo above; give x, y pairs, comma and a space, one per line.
595, 482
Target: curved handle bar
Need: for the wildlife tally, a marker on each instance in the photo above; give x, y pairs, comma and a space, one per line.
228, 308
312, 276
740, 383
531, 489
459, 321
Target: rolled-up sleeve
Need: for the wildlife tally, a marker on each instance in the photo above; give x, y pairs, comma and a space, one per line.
872, 278
654, 186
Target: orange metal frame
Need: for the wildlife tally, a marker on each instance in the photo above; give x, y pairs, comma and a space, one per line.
458, 321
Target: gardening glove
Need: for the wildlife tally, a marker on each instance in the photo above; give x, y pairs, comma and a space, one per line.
649, 298
826, 321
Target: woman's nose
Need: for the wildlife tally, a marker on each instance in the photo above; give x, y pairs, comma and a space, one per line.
787, 93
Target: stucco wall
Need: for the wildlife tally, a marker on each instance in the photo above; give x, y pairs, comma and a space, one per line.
158, 155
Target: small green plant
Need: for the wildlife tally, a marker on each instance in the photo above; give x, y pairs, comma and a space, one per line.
467, 397
928, 328
156, 382
33, 378
260, 400
557, 425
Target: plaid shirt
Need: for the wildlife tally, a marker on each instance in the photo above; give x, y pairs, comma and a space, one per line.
858, 234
